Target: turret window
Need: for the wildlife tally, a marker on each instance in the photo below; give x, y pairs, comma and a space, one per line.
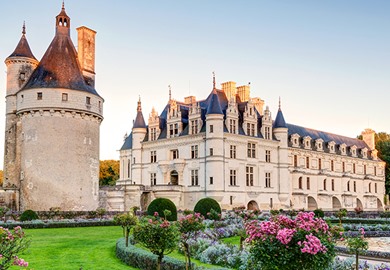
39, 96
88, 100
64, 96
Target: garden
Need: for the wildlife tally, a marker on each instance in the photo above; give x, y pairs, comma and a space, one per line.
203, 238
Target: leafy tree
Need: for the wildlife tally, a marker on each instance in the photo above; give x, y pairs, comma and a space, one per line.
158, 235
382, 144
126, 221
357, 245
1, 177
109, 172
11, 244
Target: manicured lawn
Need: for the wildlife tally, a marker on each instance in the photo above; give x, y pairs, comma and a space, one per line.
234, 240
74, 248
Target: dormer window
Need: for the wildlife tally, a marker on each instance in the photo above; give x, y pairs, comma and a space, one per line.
343, 149
307, 142
353, 150
364, 152
319, 145
295, 140
331, 147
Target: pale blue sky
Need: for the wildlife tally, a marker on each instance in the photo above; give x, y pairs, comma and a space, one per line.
328, 60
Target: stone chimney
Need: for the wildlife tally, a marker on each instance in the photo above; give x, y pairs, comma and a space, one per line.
369, 138
259, 103
189, 99
86, 53
243, 92
230, 90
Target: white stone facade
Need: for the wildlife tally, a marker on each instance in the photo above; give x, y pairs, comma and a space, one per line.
262, 166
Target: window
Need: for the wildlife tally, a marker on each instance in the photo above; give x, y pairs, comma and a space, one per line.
233, 151
211, 128
320, 164
194, 126
324, 184
354, 167
267, 132
133, 160
375, 170
88, 100
369, 188
39, 96
267, 156
153, 134
354, 186
249, 176
128, 168
295, 161
251, 150
153, 157
175, 154
343, 166
365, 169
233, 177
332, 165
348, 188
153, 178
232, 125
174, 130
231, 200
211, 151
211, 180
307, 162
64, 96
332, 184
376, 188
194, 151
267, 180
307, 182
300, 183
194, 177
250, 129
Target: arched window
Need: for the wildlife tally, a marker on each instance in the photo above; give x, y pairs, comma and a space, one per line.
348, 188
308, 182
324, 184
369, 188
376, 188
300, 183
332, 184
354, 186
128, 168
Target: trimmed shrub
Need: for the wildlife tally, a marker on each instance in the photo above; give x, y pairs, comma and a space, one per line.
319, 213
159, 205
28, 215
205, 205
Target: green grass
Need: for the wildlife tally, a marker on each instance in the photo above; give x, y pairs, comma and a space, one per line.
234, 240
74, 248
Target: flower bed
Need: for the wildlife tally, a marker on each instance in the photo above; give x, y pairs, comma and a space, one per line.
65, 223
368, 253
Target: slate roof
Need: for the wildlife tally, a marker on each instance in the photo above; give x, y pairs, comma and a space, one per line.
23, 49
139, 121
128, 144
59, 67
326, 136
279, 120
214, 106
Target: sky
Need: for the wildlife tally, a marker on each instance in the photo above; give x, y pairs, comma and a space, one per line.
329, 61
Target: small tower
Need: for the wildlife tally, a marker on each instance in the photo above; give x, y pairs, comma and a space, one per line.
369, 138
154, 125
138, 136
280, 130
20, 65
266, 128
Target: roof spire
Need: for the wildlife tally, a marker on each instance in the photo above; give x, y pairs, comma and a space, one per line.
139, 108
280, 106
24, 28
213, 80
170, 92
63, 4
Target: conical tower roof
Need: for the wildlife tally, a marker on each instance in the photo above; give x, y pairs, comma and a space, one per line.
23, 49
59, 67
279, 120
139, 120
214, 106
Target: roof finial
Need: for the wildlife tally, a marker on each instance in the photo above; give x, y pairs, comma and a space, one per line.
139, 109
280, 106
24, 28
63, 4
170, 92
213, 80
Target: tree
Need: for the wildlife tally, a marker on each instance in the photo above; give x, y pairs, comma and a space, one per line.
126, 221
109, 172
11, 244
382, 144
357, 245
1, 177
158, 235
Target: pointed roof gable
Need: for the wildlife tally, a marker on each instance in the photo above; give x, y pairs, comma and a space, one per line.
59, 67
279, 120
23, 49
214, 106
139, 120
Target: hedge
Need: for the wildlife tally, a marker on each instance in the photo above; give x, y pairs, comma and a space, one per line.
359, 221
159, 205
143, 259
368, 253
39, 224
205, 205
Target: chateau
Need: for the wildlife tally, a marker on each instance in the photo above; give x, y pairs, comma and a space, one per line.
228, 147
53, 116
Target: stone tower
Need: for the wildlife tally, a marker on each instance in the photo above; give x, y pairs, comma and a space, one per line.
53, 124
